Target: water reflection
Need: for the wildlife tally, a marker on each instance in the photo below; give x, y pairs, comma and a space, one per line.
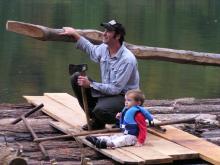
31, 67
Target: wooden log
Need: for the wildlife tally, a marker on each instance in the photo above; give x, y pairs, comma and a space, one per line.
182, 116
15, 106
142, 52
34, 157
62, 154
94, 162
13, 160
48, 34
108, 130
27, 114
11, 113
185, 109
215, 140
181, 101
49, 145
211, 134
198, 108
39, 125
172, 55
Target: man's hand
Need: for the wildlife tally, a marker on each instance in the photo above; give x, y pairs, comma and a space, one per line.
84, 81
70, 32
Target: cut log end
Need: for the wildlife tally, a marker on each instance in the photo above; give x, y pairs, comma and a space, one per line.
24, 29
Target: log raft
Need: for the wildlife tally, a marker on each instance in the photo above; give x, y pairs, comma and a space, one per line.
141, 52
62, 151
67, 151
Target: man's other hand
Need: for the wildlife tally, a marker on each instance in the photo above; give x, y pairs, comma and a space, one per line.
83, 81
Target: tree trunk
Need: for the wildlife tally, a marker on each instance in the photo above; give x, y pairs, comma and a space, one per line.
185, 109
181, 101
142, 52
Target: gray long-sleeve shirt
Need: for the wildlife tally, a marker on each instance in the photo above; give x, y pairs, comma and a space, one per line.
119, 73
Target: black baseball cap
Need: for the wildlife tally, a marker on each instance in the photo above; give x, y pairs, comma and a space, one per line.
114, 26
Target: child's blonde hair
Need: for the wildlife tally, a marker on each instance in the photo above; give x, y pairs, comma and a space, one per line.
137, 95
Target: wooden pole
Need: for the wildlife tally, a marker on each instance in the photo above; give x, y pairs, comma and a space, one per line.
78, 134
86, 109
156, 125
34, 135
142, 52
85, 103
27, 114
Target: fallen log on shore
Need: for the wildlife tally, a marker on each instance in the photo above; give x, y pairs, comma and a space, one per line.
142, 52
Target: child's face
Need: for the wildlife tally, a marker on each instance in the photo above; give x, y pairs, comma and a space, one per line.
129, 101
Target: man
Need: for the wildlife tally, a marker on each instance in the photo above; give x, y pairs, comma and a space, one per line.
118, 73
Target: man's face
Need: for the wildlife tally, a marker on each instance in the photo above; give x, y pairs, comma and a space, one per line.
109, 37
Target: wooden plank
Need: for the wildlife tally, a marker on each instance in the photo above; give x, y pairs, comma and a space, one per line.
149, 156
207, 151
67, 129
58, 111
66, 100
116, 154
139, 155
177, 152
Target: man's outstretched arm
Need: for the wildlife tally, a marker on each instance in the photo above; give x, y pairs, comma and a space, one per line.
71, 32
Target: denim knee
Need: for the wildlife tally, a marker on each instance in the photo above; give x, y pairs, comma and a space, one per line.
104, 116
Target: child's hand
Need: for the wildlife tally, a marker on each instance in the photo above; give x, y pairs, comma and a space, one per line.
118, 115
138, 144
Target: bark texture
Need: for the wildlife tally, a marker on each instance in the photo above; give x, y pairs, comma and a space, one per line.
142, 52
68, 151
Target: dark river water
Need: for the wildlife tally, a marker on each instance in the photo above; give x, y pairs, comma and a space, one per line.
32, 67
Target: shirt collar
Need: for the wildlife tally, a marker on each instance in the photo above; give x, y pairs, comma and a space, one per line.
119, 52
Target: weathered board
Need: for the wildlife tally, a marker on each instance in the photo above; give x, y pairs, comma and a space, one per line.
152, 144
151, 153
174, 150
207, 151
67, 100
137, 156
58, 111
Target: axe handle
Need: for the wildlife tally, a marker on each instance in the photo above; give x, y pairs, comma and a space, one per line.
85, 107
85, 104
